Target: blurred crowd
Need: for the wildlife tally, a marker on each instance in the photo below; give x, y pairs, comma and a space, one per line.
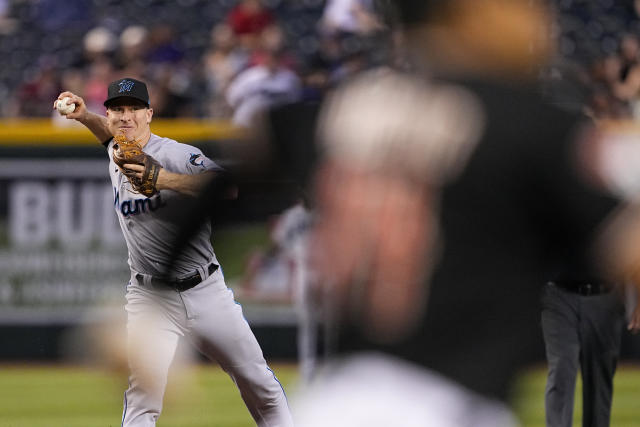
227, 58
219, 59
606, 87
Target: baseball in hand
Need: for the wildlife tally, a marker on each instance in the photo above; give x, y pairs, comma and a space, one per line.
65, 106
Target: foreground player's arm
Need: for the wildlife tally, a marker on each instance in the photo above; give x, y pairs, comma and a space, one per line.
96, 123
634, 321
619, 245
610, 162
382, 226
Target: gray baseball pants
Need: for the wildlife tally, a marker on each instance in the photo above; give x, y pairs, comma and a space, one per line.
210, 318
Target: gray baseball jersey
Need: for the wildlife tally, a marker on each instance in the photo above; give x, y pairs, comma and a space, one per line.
149, 225
207, 313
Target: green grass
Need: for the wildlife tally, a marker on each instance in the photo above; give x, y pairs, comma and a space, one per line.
50, 396
529, 401
67, 396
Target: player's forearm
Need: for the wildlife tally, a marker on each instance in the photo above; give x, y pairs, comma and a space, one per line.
187, 184
97, 124
618, 245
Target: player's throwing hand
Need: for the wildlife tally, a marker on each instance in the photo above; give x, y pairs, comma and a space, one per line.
78, 113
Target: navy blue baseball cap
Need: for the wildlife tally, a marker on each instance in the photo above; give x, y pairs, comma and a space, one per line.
127, 88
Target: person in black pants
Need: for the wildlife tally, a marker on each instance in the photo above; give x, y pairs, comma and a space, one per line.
582, 323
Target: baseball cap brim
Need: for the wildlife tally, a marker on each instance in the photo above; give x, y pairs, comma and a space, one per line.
112, 101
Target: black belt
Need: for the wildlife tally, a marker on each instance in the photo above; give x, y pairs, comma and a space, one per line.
584, 288
182, 284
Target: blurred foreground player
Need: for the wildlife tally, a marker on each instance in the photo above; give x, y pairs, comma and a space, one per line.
442, 208
193, 302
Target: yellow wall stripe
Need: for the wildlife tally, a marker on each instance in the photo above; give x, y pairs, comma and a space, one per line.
44, 132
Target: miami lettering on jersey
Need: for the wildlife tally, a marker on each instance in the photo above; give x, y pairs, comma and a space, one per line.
137, 206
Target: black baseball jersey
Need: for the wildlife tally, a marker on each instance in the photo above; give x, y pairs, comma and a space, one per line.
516, 212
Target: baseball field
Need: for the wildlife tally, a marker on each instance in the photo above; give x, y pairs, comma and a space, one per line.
71, 396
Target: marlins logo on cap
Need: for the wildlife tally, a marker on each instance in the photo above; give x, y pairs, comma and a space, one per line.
127, 88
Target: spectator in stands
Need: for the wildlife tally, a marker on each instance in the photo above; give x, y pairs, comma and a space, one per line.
7, 23
132, 50
627, 85
256, 88
170, 74
32, 96
610, 97
247, 20
272, 39
349, 16
353, 38
91, 73
163, 46
74, 79
222, 62
100, 42
99, 74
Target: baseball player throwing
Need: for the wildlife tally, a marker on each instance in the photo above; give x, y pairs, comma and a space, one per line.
153, 179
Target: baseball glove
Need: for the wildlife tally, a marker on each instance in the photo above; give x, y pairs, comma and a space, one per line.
130, 152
